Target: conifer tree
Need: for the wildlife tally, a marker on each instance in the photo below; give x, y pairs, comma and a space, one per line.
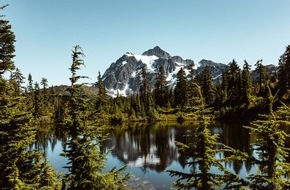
37, 112
206, 83
18, 167
30, 83
262, 77
180, 90
7, 49
192, 82
145, 93
161, 89
15, 135
273, 170
102, 95
284, 71
246, 83
202, 157
17, 79
224, 86
86, 161
234, 83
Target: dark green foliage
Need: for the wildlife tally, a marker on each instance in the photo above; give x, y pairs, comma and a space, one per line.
270, 146
44, 93
284, 72
7, 49
17, 79
101, 102
262, 77
246, 86
19, 168
86, 161
30, 84
193, 95
15, 135
37, 101
161, 89
145, 97
206, 83
224, 87
180, 90
234, 84
60, 109
202, 158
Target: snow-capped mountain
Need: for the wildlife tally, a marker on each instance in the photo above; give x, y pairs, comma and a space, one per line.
123, 76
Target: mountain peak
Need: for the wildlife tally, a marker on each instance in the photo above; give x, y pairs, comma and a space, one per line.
157, 51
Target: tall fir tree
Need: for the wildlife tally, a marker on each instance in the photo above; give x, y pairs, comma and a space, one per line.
180, 90
19, 167
30, 84
7, 48
273, 172
284, 72
262, 77
101, 102
246, 85
145, 93
17, 79
202, 158
206, 82
161, 89
38, 103
234, 84
86, 161
224, 86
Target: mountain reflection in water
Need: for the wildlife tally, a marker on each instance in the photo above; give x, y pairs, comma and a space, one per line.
150, 150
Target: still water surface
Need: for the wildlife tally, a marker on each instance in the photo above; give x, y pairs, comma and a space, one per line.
150, 150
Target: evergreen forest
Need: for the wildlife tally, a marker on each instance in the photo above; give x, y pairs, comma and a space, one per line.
82, 111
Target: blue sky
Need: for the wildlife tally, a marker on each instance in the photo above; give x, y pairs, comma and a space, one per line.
46, 32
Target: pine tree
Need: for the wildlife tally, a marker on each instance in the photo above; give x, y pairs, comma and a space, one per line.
234, 84
86, 162
202, 157
273, 170
37, 112
161, 89
15, 135
7, 49
192, 82
224, 86
284, 72
145, 94
206, 83
17, 79
180, 90
30, 83
18, 167
262, 77
246, 83
101, 102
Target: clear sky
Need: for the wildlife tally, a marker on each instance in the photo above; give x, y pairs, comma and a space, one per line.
219, 30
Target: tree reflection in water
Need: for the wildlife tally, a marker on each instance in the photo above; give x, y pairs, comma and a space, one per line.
152, 148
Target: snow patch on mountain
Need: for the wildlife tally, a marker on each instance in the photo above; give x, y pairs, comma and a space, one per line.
123, 77
148, 60
117, 92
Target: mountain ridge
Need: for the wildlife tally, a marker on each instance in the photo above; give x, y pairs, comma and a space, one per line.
123, 76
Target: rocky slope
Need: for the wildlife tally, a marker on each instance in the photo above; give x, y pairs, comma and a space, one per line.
123, 76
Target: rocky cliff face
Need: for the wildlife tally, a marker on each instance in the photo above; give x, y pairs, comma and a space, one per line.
123, 76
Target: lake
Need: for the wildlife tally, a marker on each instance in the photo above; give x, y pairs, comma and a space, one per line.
150, 150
